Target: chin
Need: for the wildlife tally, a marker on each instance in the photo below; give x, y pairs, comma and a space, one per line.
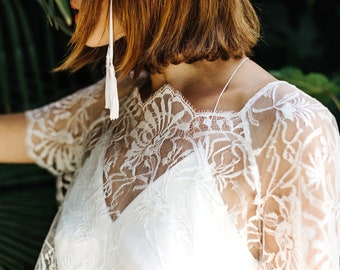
96, 43
93, 42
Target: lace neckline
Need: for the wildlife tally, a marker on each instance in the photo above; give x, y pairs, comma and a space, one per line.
168, 89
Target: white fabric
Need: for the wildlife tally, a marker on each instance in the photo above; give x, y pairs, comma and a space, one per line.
168, 187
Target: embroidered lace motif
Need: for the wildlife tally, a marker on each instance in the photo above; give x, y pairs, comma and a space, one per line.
273, 164
59, 135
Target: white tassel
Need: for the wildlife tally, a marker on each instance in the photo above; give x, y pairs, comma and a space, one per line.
111, 91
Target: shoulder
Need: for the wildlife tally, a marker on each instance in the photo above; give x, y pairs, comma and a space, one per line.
257, 90
280, 114
285, 102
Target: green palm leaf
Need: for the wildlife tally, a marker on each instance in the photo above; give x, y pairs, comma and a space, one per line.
29, 49
27, 206
58, 13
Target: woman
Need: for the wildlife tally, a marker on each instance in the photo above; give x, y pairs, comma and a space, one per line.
212, 162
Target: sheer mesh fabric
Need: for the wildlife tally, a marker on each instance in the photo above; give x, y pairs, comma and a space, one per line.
63, 133
271, 166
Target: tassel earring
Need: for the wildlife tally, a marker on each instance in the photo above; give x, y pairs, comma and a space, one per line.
111, 91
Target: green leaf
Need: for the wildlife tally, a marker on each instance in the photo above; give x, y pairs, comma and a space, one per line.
51, 8
317, 79
4, 81
18, 56
314, 84
64, 8
27, 206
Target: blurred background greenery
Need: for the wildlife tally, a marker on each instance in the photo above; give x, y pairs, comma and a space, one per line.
299, 43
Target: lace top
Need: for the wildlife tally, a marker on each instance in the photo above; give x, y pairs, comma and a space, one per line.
168, 187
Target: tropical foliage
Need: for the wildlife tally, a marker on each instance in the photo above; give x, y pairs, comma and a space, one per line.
29, 49
315, 84
299, 45
58, 13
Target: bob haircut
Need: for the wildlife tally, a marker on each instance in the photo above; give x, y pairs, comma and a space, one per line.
163, 32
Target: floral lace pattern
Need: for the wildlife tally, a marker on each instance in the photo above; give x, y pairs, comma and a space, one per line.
274, 165
59, 134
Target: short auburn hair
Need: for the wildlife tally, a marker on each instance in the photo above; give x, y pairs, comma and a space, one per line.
163, 32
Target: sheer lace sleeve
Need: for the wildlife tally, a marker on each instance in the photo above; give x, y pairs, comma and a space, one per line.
58, 134
299, 159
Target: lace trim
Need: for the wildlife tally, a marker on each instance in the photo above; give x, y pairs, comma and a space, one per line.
274, 162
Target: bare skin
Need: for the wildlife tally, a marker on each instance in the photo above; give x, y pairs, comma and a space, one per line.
12, 143
13, 131
200, 83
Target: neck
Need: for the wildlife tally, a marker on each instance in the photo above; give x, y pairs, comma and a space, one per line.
197, 78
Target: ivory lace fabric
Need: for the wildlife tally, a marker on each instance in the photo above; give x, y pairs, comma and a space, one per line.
168, 187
